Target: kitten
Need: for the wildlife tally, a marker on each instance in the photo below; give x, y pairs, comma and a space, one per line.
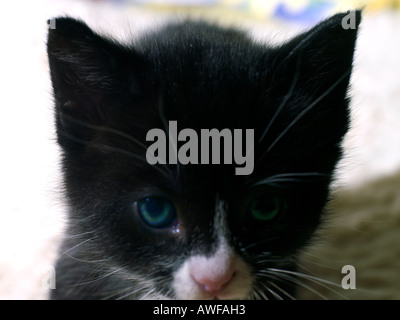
194, 231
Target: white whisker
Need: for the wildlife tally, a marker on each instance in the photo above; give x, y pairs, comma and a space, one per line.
130, 154
282, 290
98, 278
319, 281
166, 127
314, 263
293, 279
74, 247
262, 294
147, 294
78, 235
104, 147
117, 293
285, 98
306, 110
306, 276
255, 295
272, 292
130, 293
104, 129
290, 177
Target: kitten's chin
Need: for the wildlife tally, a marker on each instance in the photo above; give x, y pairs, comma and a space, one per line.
199, 278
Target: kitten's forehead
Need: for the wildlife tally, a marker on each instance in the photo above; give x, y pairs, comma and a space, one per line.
206, 82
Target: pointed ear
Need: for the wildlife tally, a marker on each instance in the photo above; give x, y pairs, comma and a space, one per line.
88, 72
310, 83
320, 57
312, 77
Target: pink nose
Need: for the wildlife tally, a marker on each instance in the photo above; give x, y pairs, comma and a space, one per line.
213, 281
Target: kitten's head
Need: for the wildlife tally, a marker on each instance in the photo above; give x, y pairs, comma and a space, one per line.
196, 230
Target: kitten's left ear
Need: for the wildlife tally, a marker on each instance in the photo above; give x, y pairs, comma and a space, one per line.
326, 49
316, 59
311, 77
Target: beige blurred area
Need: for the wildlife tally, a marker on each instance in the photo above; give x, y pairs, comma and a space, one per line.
363, 225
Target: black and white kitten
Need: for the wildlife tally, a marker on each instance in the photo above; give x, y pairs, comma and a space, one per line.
194, 231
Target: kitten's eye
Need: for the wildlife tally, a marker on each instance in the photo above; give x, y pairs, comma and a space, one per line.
157, 212
265, 208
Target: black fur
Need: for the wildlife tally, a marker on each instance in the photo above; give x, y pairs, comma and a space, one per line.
109, 95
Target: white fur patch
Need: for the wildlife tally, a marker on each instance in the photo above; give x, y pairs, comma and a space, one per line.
186, 287
224, 263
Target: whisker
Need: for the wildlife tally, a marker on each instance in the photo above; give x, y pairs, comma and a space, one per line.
117, 293
285, 98
306, 110
298, 174
169, 292
114, 149
130, 293
166, 126
306, 276
98, 278
290, 177
254, 295
261, 295
272, 181
346, 225
319, 281
272, 292
139, 288
79, 244
66, 253
307, 256
104, 147
147, 294
282, 290
104, 129
314, 263
84, 261
265, 258
78, 235
256, 244
294, 280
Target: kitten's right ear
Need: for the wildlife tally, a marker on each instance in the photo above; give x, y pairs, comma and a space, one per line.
88, 72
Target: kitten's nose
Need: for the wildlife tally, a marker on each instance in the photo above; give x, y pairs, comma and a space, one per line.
212, 280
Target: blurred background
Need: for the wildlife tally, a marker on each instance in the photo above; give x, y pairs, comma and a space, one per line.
365, 229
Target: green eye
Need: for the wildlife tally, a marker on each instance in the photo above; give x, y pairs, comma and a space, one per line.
157, 212
265, 208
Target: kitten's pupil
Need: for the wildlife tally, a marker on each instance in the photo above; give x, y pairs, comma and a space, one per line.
157, 212
265, 208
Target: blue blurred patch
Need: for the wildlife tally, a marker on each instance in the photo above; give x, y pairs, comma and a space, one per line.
310, 14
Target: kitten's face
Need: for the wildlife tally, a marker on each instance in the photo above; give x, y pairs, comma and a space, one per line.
194, 231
